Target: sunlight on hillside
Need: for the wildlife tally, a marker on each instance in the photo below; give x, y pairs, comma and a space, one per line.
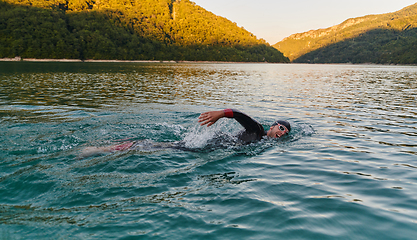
399, 25
126, 30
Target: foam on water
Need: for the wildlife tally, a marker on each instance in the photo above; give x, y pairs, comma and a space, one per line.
199, 136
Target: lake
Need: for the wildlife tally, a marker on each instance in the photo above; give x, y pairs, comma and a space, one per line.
347, 170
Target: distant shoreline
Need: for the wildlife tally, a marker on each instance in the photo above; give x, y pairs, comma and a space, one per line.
19, 59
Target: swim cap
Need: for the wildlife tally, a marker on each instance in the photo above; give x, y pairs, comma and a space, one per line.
284, 123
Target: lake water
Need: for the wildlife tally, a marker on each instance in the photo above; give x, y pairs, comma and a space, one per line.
348, 169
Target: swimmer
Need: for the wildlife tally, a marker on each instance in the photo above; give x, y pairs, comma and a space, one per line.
253, 131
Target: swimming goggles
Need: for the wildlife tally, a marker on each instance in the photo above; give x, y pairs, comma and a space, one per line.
281, 128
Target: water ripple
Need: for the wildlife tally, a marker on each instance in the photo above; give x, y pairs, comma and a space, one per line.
347, 170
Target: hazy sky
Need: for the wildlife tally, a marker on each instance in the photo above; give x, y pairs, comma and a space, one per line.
274, 20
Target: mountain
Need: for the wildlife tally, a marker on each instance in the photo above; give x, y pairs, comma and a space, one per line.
382, 38
125, 30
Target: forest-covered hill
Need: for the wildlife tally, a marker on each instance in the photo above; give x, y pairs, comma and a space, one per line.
383, 38
125, 30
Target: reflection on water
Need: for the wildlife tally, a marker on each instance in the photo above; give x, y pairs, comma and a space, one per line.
347, 170
155, 83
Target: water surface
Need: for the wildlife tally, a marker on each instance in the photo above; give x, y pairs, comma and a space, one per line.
348, 170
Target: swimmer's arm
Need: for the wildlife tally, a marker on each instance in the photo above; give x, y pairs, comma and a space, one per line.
247, 122
209, 118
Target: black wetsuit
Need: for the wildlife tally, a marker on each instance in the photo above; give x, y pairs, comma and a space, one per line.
254, 131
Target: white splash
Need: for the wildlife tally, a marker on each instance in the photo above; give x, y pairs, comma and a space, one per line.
198, 136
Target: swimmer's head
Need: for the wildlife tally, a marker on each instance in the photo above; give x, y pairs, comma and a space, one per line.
279, 129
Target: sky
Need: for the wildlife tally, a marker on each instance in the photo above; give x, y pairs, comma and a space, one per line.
274, 20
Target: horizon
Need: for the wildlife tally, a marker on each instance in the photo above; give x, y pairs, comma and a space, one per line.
320, 14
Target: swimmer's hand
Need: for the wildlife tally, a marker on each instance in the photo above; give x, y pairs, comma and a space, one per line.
210, 118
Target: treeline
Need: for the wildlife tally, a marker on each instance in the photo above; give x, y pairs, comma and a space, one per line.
125, 30
383, 38
376, 46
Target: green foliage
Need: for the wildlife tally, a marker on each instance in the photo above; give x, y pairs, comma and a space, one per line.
376, 46
34, 33
125, 30
384, 38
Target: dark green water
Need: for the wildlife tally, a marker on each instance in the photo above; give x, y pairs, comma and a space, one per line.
348, 170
